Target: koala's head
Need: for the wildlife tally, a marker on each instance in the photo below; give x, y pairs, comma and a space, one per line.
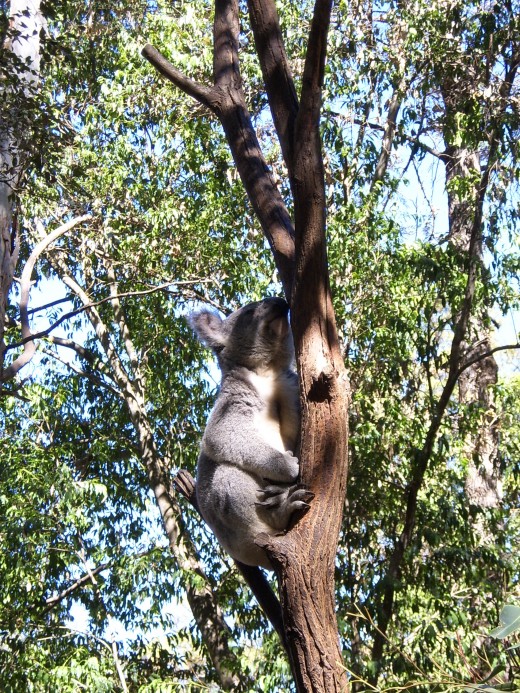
256, 336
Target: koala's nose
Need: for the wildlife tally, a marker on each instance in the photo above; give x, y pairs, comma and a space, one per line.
277, 303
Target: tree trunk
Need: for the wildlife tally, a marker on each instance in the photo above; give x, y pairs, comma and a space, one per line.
23, 43
467, 182
305, 558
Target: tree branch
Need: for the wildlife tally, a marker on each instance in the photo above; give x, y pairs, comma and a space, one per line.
226, 30
422, 457
90, 376
204, 95
312, 285
278, 79
113, 647
89, 305
234, 115
201, 597
226, 99
308, 118
381, 128
51, 602
123, 327
28, 341
388, 138
45, 306
484, 355
399, 90
84, 353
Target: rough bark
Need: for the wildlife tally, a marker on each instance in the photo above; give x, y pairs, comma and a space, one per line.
304, 557
23, 42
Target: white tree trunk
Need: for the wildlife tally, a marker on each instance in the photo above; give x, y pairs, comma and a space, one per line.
23, 41
483, 483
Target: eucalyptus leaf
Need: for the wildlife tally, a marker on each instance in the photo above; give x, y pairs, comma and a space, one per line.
510, 618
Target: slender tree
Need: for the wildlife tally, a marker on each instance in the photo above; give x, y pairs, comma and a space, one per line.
20, 47
486, 60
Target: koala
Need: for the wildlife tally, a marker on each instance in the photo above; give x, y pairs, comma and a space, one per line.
246, 471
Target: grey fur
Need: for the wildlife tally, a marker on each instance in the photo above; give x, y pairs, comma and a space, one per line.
246, 470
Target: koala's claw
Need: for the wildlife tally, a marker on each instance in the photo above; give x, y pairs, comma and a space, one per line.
295, 492
273, 490
301, 493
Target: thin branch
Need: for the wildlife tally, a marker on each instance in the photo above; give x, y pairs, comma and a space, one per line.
100, 328
201, 597
94, 304
362, 122
388, 138
121, 319
422, 456
25, 288
399, 91
51, 602
258, 583
84, 374
113, 648
45, 306
89, 356
484, 355
118, 665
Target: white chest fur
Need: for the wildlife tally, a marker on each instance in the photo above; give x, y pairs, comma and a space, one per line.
278, 420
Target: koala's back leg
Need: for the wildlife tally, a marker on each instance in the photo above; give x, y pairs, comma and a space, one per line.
226, 496
277, 503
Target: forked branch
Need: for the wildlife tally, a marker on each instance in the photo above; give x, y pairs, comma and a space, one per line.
309, 549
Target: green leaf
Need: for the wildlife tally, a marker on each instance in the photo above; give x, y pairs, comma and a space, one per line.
510, 617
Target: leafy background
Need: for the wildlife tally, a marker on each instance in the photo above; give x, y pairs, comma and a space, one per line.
108, 136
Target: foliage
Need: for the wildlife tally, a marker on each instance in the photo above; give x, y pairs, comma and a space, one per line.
171, 228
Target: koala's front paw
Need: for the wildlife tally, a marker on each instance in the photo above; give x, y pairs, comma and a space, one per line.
287, 468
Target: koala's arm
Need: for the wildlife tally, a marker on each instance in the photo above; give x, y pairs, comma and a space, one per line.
231, 437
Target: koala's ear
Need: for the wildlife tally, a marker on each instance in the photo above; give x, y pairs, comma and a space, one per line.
207, 325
